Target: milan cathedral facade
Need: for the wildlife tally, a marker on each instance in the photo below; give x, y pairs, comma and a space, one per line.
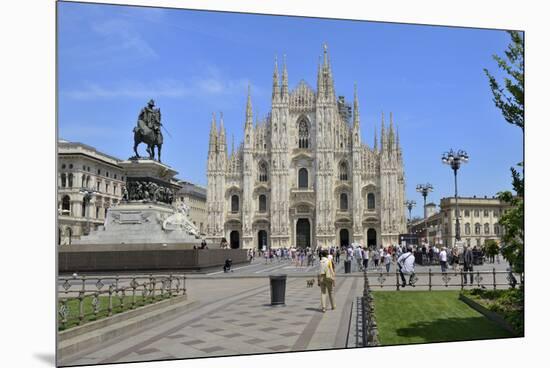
303, 177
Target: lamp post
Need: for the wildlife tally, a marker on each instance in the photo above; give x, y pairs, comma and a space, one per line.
424, 189
454, 160
87, 197
410, 204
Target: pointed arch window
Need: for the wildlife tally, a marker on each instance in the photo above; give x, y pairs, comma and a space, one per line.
343, 202
63, 180
70, 179
303, 134
262, 203
343, 171
234, 203
302, 178
262, 172
370, 201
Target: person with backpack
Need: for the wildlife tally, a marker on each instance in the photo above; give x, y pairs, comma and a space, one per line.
326, 281
405, 263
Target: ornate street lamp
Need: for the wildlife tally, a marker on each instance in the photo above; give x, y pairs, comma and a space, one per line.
424, 189
454, 159
410, 204
87, 198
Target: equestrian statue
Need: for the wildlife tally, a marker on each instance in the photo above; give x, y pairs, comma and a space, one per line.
148, 130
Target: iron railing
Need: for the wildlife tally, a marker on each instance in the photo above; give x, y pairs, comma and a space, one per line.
78, 290
369, 328
492, 279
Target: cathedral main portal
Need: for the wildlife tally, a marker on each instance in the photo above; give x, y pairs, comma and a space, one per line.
303, 233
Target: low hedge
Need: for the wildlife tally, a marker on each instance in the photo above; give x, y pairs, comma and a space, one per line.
507, 303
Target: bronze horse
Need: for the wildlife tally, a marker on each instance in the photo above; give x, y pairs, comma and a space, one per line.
142, 133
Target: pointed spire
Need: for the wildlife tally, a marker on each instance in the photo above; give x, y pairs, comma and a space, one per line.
375, 139
355, 108
391, 135
213, 128
327, 73
232, 144
320, 83
325, 55
222, 130
213, 134
248, 123
284, 83
383, 135
275, 93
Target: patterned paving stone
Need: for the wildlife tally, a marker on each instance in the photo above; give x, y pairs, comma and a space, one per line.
233, 335
248, 324
192, 342
288, 334
177, 336
267, 329
214, 330
280, 348
212, 349
254, 341
147, 351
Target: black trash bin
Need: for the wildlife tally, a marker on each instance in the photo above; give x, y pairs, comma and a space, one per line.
278, 288
347, 266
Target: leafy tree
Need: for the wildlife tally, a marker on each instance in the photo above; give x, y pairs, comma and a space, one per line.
510, 100
491, 247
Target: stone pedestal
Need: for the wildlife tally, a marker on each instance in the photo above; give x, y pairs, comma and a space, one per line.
146, 215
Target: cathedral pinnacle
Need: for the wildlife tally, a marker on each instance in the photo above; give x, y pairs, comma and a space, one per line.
320, 84
375, 139
284, 83
391, 135
213, 128
355, 108
383, 137
213, 134
248, 109
275, 80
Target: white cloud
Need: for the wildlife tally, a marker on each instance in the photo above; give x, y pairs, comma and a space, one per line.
129, 89
120, 35
211, 84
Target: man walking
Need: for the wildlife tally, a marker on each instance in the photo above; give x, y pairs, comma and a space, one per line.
365, 258
326, 280
468, 265
405, 263
443, 260
359, 258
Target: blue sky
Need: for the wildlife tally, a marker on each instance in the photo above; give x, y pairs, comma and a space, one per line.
113, 59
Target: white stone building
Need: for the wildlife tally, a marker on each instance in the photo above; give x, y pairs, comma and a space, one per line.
303, 176
478, 221
89, 182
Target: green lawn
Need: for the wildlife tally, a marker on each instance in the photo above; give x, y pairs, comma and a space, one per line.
409, 317
73, 305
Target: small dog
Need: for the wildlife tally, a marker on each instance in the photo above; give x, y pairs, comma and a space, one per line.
310, 282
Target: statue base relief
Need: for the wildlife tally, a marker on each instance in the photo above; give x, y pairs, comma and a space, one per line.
146, 214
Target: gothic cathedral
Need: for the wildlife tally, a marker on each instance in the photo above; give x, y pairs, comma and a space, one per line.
302, 177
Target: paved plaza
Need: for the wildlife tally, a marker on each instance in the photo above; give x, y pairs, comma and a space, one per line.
232, 315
